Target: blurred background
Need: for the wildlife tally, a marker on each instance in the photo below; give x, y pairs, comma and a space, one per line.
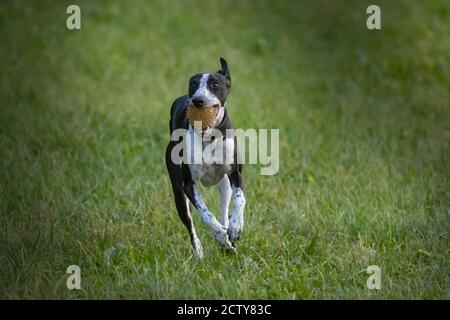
364, 133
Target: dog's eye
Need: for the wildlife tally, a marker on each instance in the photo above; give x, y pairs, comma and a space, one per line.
215, 85
192, 85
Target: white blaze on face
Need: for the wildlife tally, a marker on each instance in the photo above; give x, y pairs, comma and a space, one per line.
210, 99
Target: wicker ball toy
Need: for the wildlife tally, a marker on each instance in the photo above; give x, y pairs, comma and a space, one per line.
206, 116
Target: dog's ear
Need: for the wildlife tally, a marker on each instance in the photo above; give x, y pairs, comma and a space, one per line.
225, 71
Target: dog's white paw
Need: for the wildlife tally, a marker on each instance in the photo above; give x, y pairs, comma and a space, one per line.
198, 249
221, 235
235, 229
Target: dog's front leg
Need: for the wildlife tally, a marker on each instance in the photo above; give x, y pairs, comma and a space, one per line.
225, 197
236, 225
220, 233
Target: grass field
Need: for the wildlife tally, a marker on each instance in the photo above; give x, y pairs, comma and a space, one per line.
364, 148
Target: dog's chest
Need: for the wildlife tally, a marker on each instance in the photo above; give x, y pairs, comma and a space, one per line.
214, 161
208, 174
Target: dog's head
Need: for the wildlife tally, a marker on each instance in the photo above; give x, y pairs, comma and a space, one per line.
211, 89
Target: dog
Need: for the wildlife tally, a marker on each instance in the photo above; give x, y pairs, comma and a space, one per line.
207, 90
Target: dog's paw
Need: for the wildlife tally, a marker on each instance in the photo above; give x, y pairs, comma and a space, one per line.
222, 237
235, 230
198, 249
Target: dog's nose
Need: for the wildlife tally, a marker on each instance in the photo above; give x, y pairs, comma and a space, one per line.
198, 102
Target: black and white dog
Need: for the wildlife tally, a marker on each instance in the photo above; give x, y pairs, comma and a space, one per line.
207, 90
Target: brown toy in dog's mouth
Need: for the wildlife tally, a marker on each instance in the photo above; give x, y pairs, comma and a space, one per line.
207, 116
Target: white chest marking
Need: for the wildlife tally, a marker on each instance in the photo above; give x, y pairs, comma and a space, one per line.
210, 171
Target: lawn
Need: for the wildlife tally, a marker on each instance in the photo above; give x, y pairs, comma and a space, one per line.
364, 149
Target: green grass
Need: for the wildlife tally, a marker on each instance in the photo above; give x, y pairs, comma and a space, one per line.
364, 148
